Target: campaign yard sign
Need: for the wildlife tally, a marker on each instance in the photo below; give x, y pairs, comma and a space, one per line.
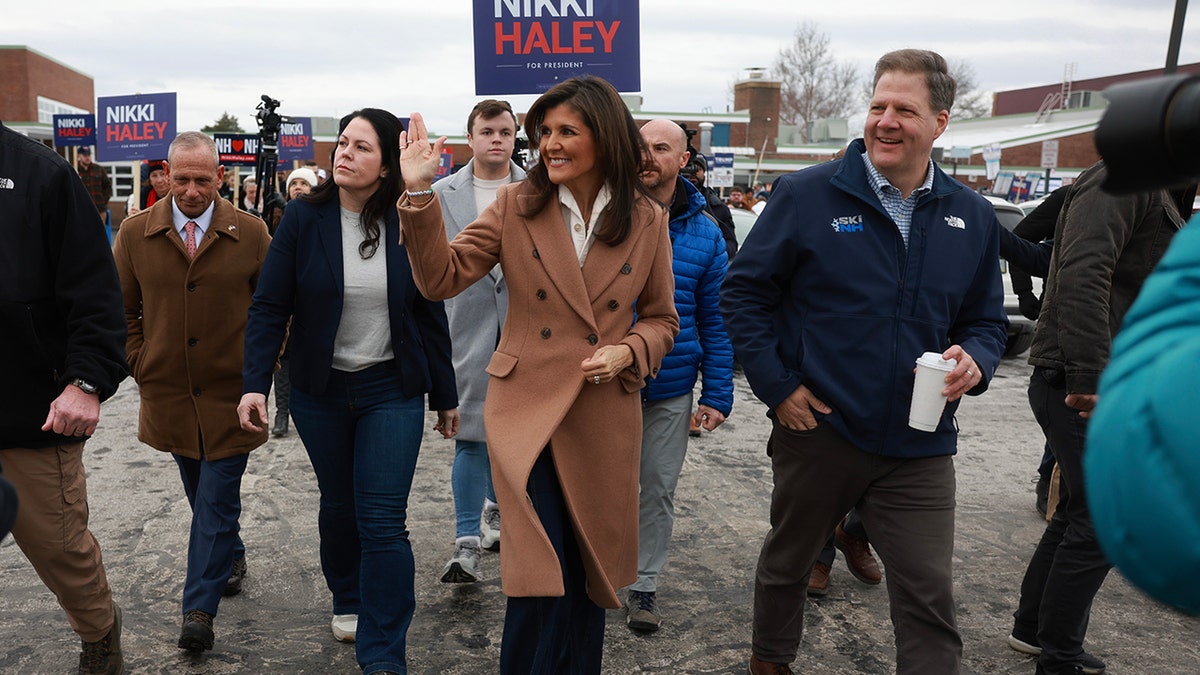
74, 130
139, 126
528, 46
237, 149
720, 173
445, 164
295, 140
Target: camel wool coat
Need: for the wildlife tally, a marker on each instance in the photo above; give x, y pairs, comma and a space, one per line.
559, 314
187, 321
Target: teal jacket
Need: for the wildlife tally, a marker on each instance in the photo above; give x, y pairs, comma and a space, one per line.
1142, 467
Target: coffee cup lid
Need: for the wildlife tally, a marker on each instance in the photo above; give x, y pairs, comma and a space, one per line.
935, 360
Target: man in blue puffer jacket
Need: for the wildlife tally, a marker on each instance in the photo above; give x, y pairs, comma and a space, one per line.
702, 346
855, 268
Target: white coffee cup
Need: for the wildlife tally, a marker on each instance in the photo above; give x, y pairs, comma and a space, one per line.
927, 400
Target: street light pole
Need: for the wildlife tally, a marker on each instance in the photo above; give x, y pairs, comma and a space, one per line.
1176, 36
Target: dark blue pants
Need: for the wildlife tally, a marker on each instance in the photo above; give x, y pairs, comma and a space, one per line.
1068, 567
363, 436
214, 491
554, 636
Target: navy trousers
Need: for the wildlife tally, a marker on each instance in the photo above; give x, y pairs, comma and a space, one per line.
559, 636
214, 491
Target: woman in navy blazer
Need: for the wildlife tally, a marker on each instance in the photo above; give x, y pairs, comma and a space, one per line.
365, 347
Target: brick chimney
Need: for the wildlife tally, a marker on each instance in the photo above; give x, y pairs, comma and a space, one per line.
761, 97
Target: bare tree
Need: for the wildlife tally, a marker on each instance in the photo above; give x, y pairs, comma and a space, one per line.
969, 101
815, 85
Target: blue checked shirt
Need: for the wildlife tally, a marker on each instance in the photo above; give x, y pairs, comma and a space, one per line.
900, 210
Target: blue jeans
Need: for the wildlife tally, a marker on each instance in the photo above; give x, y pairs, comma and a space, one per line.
471, 481
362, 436
214, 491
562, 635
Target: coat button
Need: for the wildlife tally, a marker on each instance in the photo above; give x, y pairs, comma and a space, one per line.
626, 269
499, 290
592, 339
196, 391
536, 254
541, 295
546, 333
614, 305
192, 342
191, 286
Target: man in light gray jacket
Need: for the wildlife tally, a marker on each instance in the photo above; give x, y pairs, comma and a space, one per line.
475, 317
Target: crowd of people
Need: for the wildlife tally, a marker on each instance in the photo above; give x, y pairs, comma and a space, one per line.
557, 320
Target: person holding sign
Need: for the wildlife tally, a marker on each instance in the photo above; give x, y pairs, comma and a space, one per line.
580, 242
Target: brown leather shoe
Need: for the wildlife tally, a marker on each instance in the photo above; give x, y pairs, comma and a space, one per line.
818, 581
758, 667
858, 556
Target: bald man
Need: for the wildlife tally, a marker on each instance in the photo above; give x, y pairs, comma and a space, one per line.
700, 260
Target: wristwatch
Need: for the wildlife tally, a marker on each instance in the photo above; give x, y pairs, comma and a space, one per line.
87, 387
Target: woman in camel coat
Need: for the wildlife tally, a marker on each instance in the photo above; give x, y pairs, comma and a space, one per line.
580, 243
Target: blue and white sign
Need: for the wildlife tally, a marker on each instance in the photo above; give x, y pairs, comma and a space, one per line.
528, 46
140, 126
295, 140
720, 172
74, 130
237, 149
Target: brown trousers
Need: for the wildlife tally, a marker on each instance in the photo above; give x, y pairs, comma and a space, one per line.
907, 507
52, 531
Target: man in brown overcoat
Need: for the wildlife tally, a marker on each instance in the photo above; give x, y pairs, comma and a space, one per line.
188, 268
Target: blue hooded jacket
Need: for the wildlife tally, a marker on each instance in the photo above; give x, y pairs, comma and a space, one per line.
1141, 454
824, 293
702, 345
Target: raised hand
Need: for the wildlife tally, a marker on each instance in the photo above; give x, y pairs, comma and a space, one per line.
418, 157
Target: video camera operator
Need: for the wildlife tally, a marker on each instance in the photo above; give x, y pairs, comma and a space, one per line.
269, 122
1141, 437
694, 173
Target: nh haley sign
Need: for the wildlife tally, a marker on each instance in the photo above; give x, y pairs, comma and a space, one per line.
528, 46
140, 126
237, 149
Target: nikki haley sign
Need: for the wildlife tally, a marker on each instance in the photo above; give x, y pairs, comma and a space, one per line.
139, 126
528, 46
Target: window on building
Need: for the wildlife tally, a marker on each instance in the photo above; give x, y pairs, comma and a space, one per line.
122, 178
48, 108
720, 134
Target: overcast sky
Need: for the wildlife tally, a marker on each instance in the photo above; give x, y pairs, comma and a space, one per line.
320, 59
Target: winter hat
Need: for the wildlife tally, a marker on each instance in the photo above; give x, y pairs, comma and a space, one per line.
306, 174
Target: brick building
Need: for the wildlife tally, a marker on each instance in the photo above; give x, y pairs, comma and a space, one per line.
35, 87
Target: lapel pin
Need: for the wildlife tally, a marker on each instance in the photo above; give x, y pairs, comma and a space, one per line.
233, 228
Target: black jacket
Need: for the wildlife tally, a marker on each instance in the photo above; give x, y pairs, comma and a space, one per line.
61, 314
1105, 246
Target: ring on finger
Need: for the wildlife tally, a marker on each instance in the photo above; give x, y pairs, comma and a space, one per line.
596, 379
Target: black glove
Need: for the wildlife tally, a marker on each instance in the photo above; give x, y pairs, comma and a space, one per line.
1030, 305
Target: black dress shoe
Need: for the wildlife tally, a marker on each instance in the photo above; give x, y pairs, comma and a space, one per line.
197, 633
281, 426
234, 585
1042, 491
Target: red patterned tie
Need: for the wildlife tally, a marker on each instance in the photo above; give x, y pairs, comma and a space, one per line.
189, 242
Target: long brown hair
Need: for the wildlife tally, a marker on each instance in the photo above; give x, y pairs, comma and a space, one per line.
619, 151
